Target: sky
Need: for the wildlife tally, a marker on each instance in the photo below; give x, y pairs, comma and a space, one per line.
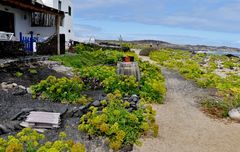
209, 22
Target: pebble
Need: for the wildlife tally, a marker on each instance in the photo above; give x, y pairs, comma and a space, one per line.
96, 103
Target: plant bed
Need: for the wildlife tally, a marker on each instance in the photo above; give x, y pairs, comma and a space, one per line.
26, 74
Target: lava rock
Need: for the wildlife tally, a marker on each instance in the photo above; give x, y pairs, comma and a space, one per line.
125, 98
82, 108
22, 112
87, 105
3, 129
70, 113
96, 103
133, 98
130, 109
19, 92
127, 148
63, 110
13, 125
79, 113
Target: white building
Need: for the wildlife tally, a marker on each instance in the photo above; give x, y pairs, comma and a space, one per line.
67, 22
38, 16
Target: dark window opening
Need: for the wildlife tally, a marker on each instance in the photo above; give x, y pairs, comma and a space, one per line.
69, 31
60, 5
43, 20
69, 11
62, 21
7, 22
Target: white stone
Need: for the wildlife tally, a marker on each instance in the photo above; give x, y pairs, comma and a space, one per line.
22, 87
9, 86
234, 114
29, 90
14, 85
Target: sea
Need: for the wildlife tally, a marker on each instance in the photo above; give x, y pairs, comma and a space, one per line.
235, 53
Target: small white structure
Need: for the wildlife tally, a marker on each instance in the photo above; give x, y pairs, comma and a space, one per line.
37, 16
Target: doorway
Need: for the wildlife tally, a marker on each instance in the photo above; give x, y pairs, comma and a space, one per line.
7, 22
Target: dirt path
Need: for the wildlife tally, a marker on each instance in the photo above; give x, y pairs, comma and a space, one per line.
183, 127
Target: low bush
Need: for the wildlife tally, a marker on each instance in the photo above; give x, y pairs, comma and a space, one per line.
85, 58
117, 124
152, 83
95, 75
59, 89
77, 60
127, 85
29, 140
147, 51
18, 74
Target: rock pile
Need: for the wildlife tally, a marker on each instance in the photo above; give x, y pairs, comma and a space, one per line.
16, 89
133, 100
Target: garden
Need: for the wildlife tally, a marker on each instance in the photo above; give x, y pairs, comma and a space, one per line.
97, 106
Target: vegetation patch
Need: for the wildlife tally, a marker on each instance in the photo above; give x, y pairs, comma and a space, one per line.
117, 124
30, 141
202, 68
62, 90
18, 74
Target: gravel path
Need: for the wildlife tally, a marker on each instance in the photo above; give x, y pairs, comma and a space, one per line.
183, 127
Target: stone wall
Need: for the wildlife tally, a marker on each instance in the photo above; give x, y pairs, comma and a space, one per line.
49, 47
11, 49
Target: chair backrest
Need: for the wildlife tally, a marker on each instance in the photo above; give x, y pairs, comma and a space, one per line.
6, 36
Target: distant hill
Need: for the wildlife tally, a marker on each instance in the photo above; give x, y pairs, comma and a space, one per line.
162, 45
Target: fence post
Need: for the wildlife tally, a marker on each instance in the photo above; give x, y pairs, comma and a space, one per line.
31, 41
21, 38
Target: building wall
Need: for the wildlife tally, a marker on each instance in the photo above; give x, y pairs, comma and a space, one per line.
24, 24
67, 27
22, 21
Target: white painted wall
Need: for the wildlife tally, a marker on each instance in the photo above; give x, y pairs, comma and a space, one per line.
67, 27
24, 25
48, 3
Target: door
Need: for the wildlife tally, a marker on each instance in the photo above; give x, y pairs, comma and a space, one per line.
7, 22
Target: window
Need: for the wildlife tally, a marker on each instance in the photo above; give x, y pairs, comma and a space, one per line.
60, 5
43, 20
69, 11
62, 21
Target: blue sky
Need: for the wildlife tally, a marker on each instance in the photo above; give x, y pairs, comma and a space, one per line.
210, 22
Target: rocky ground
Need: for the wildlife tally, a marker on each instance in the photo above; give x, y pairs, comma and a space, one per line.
16, 103
184, 127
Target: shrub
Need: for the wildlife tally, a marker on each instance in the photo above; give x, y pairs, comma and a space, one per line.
59, 89
33, 71
18, 74
147, 51
117, 124
152, 83
30, 141
127, 85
